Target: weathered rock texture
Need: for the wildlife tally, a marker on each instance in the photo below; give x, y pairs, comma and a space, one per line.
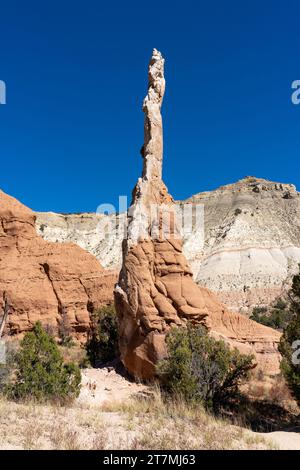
90, 231
156, 290
251, 243
42, 280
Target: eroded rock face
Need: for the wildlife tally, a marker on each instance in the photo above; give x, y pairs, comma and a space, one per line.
44, 280
251, 242
101, 235
156, 290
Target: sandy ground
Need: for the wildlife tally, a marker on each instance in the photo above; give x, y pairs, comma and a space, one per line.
103, 386
101, 418
285, 440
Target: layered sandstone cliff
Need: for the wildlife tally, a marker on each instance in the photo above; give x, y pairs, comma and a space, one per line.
91, 231
251, 242
156, 290
45, 281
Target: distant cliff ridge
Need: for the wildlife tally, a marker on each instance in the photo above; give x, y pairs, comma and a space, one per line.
251, 247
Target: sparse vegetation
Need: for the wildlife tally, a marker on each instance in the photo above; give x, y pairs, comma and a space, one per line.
77, 354
237, 211
250, 179
38, 370
102, 345
144, 423
276, 316
206, 376
290, 342
202, 369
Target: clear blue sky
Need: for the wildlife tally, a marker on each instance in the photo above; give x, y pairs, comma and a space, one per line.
76, 75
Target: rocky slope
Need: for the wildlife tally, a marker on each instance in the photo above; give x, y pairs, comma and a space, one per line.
52, 282
92, 232
251, 240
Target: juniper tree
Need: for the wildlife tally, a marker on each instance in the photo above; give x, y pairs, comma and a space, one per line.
290, 342
40, 372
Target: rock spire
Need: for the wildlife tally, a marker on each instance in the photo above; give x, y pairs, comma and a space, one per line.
156, 290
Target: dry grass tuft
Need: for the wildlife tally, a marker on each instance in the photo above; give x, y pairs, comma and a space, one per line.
146, 422
167, 425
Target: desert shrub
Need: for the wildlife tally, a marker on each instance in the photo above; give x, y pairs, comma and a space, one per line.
102, 345
200, 368
279, 391
250, 179
77, 354
39, 370
290, 342
276, 316
65, 330
237, 211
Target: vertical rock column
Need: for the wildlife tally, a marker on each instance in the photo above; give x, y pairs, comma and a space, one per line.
155, 290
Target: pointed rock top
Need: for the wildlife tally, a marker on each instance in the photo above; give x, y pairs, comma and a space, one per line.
152, 150
156, 80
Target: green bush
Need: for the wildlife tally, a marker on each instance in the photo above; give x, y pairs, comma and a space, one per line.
102, 345
276, 316
39, 371
200, 368
289, 344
